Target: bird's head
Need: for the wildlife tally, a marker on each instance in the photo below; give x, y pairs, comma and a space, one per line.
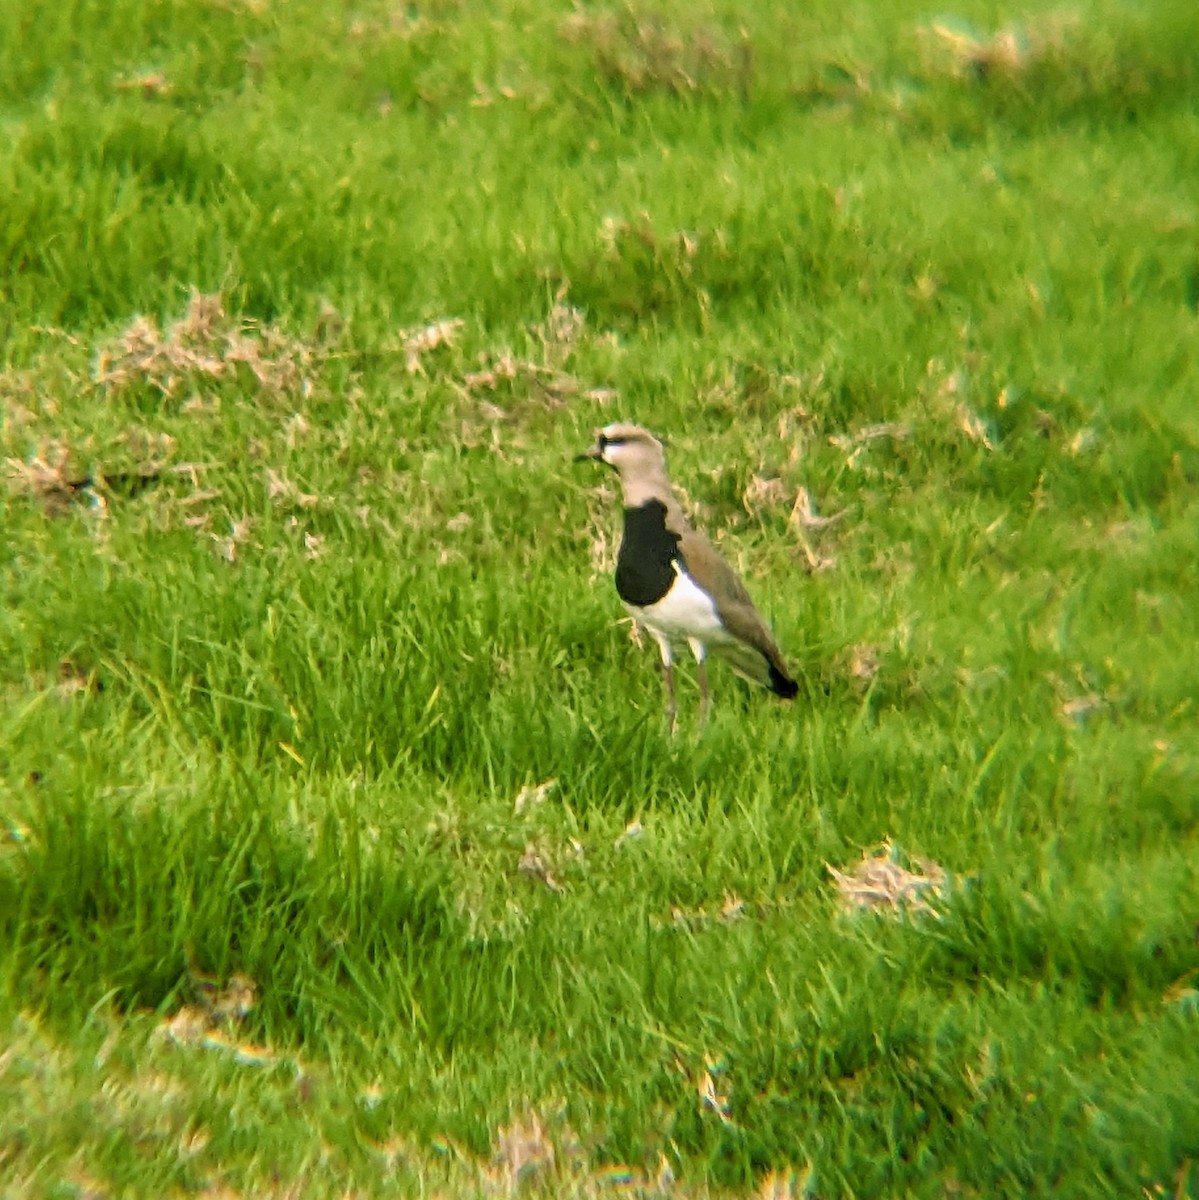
633, 451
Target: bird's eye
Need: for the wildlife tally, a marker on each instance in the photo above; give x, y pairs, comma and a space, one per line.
603, 442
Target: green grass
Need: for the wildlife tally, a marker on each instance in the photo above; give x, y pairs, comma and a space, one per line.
272, 682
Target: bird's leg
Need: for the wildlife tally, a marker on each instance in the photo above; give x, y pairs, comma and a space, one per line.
668, 679
671, 709
701, 670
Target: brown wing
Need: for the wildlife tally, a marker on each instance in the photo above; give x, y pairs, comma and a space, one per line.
756, 655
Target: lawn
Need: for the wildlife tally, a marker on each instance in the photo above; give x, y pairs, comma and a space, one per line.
344, 849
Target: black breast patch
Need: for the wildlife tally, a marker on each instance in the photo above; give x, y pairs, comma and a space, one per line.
648, 550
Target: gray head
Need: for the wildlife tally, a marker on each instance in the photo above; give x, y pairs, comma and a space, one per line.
639, 459
632, 450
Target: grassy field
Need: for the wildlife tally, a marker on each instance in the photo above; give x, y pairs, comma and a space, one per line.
343, 849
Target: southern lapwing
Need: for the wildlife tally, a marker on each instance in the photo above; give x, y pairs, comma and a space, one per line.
673, 580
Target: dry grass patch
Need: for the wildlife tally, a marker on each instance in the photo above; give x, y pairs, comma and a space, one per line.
641, 52
541, 378
204, 345
52, 479
67, 450
1008, 52
882, 882
211, 1020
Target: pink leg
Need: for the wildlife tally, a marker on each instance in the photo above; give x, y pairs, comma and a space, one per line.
668, 678
701, 669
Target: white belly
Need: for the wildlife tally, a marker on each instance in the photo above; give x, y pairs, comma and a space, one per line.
685, 613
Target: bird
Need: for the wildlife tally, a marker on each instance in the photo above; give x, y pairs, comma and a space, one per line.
673, 580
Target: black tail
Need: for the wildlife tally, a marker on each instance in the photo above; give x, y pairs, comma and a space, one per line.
781, 684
